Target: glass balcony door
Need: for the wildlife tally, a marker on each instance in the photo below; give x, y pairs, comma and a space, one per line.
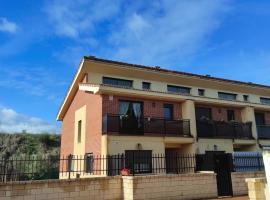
131, 117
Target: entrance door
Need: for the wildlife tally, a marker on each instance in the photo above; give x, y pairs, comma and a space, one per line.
171, 161
223, 165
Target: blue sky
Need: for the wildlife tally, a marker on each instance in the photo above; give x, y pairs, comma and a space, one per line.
42, 42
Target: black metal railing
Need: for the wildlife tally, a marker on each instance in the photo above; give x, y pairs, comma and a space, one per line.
248, 161
220, 129
263, 131
134, 163
72, 166
144, 126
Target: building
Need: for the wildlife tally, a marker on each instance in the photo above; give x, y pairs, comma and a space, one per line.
113, 107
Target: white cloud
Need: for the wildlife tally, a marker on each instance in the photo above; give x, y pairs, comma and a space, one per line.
167, 32
35, 81
75, 18
13, 122
149, 32
7, 26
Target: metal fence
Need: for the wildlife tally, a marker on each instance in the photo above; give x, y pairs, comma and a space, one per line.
73, 166
132, 163
248, 161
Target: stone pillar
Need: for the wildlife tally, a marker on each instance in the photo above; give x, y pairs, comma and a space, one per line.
188, 112
266, 160
256, 188
248, 115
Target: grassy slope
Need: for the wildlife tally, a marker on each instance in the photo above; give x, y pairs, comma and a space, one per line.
18, 145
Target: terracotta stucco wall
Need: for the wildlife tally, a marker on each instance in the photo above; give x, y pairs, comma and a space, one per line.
93, 123
152, 108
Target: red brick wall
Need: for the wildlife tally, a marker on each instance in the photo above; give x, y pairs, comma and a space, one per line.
152, 108
267, 118
219, 113
93, 123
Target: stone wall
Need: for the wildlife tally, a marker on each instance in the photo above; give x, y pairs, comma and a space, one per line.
109, 188
238, 181
182, 186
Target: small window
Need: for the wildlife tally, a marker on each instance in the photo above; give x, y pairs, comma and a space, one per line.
146, 85
178, 89
117, 82
70, 163
168, 111
89, 161
79, 131
227, 96
201, 92
245, 97
265, 101
230, 115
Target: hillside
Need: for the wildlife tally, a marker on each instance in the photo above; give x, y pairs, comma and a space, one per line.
19, 145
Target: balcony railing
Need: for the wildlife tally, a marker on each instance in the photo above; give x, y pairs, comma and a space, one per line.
218, 129
263, 131
125, 125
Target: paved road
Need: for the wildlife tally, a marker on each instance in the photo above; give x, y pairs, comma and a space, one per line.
233, 198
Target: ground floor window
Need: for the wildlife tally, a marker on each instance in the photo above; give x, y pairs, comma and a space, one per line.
139, 161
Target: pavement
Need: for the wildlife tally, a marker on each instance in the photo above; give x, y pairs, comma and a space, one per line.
232, 198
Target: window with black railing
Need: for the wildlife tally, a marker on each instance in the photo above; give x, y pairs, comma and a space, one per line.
117, 82
118, 124
227, 96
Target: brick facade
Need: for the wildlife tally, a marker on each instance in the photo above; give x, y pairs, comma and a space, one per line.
151, 108
267, 118
93, 123
219, 113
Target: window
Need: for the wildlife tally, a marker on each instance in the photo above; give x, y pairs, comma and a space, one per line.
79, 131
265, 100
245, 97
230, 115
203, 113
89, 161
146, 85
70, 163
260, 119
139, 160
201, 92
227, 96
168, 111
117, 82
178, 89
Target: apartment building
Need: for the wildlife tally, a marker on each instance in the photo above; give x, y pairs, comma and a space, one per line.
113, 108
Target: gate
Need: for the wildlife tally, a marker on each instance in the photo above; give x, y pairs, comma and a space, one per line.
223, 170
221, 163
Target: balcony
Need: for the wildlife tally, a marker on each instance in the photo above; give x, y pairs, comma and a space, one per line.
226, 130
125, 125
263, 131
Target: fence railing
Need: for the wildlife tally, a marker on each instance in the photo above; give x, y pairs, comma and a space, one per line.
248, 161
121, 124
132, 162
73, 166
263, 131
217, 129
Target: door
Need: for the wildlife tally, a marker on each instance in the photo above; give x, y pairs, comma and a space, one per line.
171, 161
223, 166
259, 117
131, 117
